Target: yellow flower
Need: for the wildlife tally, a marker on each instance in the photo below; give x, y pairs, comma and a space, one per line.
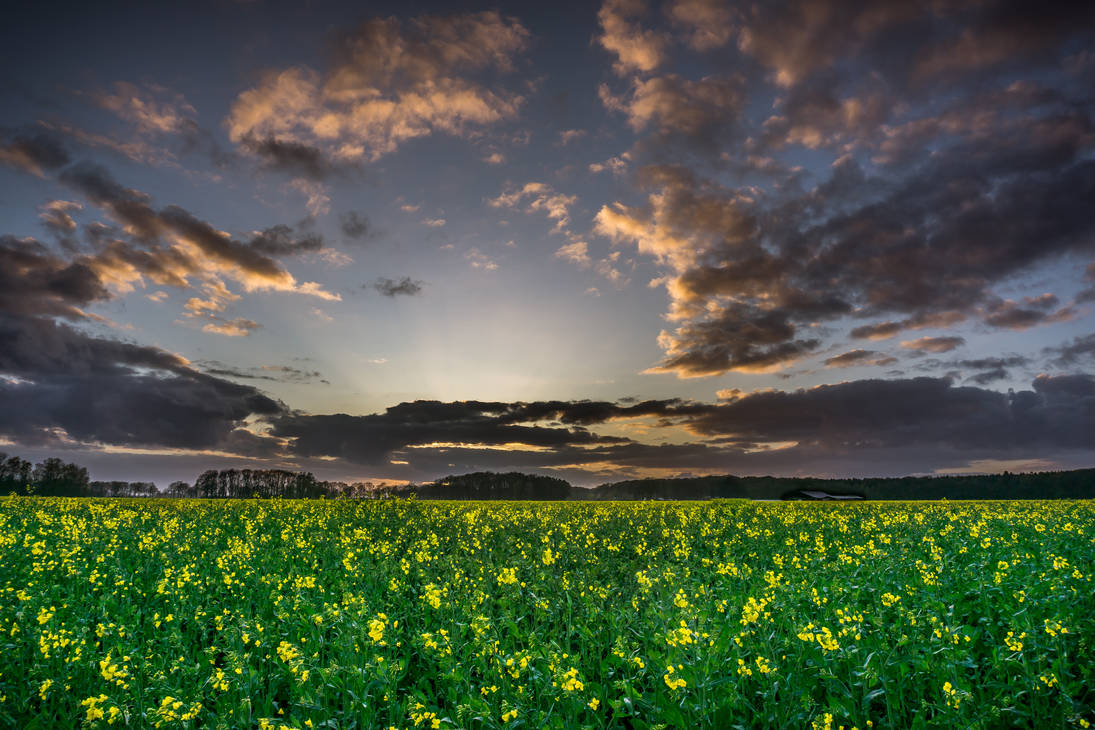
670, 681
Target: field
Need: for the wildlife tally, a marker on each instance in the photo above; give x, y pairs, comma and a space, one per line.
305, 614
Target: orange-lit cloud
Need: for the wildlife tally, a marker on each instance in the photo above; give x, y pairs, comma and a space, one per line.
635, 49
393, 81
674, 104
934, 344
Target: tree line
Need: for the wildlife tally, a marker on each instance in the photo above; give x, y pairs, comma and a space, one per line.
55, 477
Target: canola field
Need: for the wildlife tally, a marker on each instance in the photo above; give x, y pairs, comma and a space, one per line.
404, 614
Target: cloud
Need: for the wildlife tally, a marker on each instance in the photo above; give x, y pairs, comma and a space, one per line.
1001, 33
1076, 349
272, 373
916, 247
333, 257
635, 49
864, 427
293, 158
132, 147
988, 363
208, 311
934, 344
672, 104
569, 135
55, 216
537, 196
617, 165
818, 116
164, 127
218, 298
480, 260
1008, 314
872, 414
856, 358
741, 338
196, 247
391, 81
797, 40
35, 153
373, 439
317, 194
988, 369
101, 391
576, 252
282, 240
877, 331
886, 330
989, 376
153, 109
34, 281
707, 24
406, 286
355, 225
238, 327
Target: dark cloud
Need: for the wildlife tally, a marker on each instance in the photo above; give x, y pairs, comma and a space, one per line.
755, 342
293, 158
886, 330
991, 369
35, 153
907, 44
113, 392
1006, 33
988, 363
34, 281
354, 225
374, 438
1073, 351
816, 115
282, 240
989, 376
404, 287
671, 104
128, 207
272, 373
877, 331
869, 414
1008, 314
854, 358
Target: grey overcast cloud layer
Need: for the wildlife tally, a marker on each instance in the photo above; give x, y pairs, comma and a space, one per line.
597, 242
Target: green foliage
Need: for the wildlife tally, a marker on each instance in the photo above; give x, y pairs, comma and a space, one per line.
413, 614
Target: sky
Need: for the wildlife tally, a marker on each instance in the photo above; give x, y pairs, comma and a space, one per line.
396, 241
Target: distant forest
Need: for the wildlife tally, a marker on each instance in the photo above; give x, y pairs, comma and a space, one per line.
54, 477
